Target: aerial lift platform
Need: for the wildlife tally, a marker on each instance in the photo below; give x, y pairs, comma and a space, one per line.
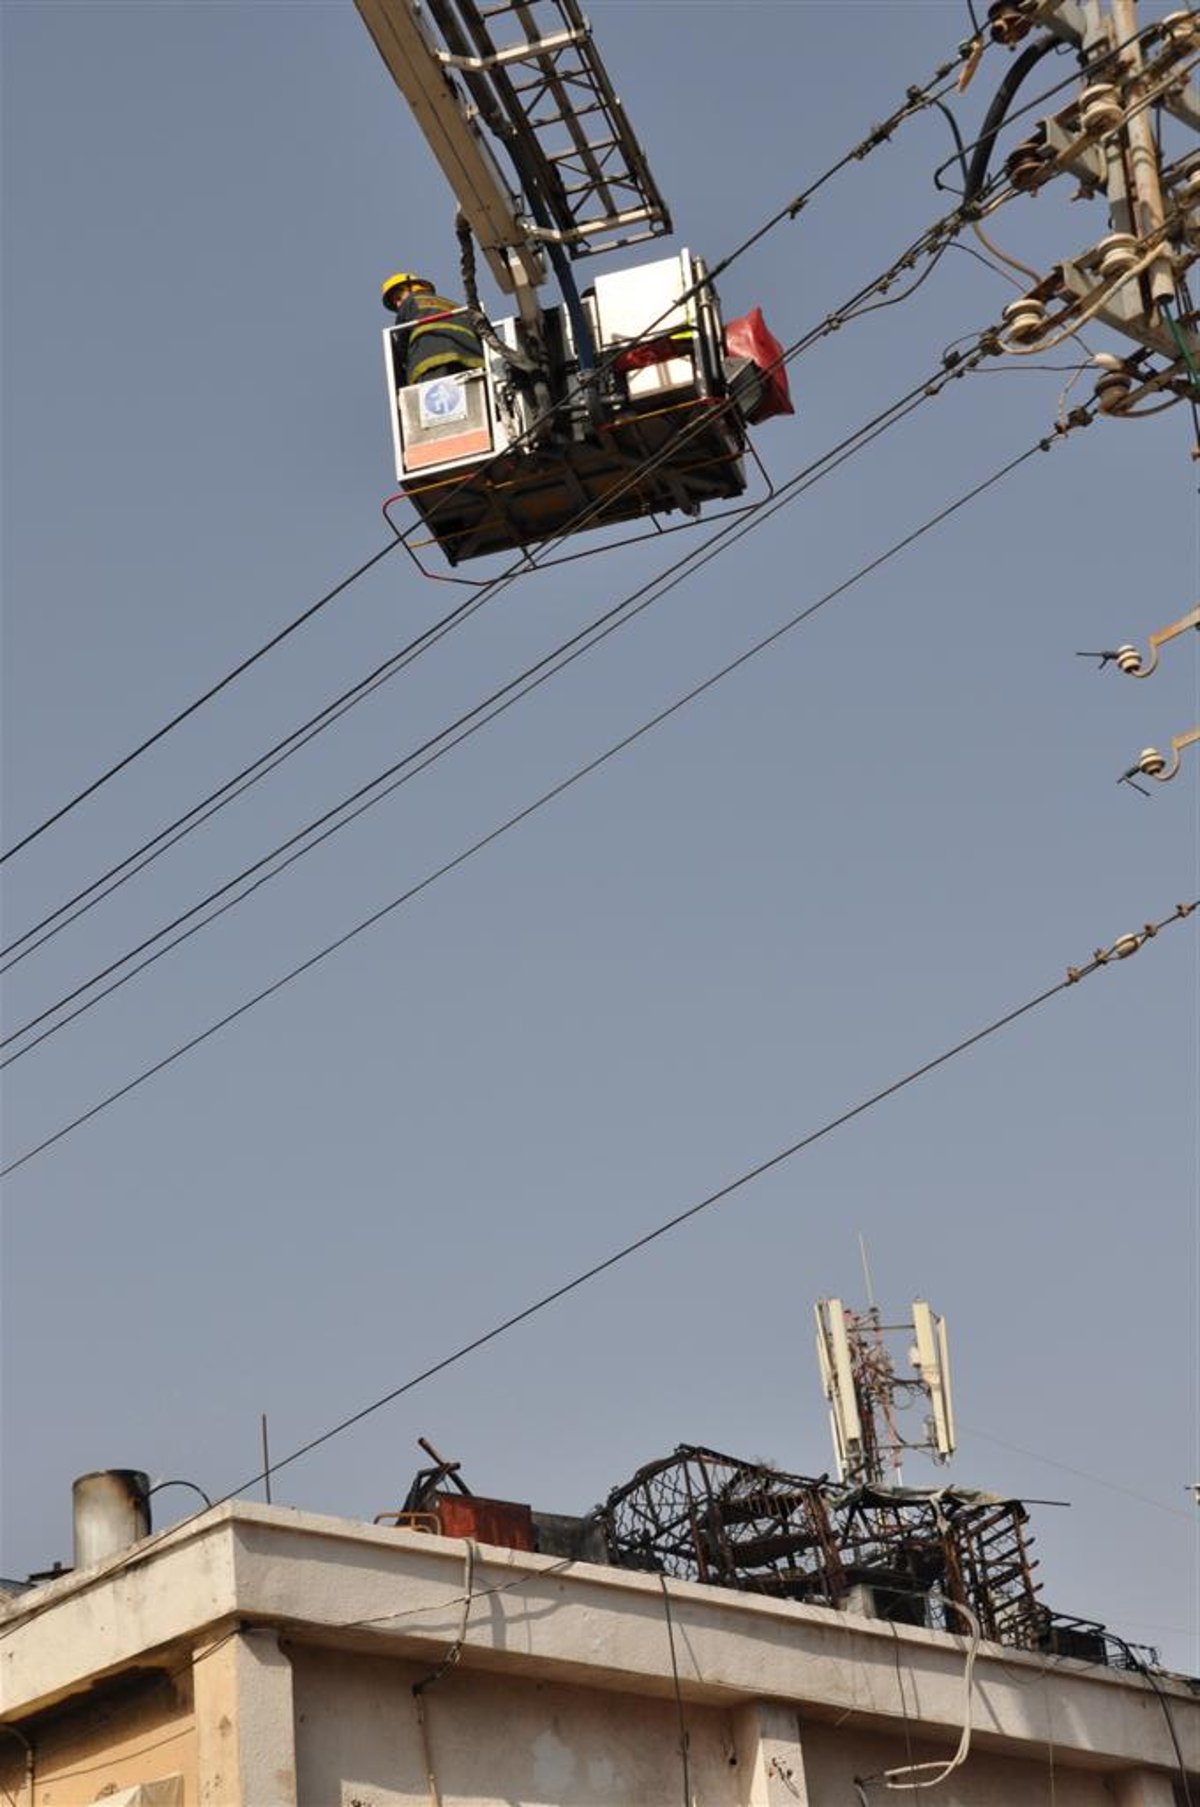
621, 402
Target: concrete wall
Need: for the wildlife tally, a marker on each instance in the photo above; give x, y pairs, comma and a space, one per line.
833, 1759
293, 1641
133, 1730
494, 1739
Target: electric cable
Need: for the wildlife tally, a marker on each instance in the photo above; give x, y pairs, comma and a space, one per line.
555, 660
930, 242
182, 715
1083, 1474
681, 1718
1120, 950
914, 1775
478, 716
1148, 1675
1095, 66
976, 170
515, 819
916, 99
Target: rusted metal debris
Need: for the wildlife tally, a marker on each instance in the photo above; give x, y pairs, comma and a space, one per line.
914, 1554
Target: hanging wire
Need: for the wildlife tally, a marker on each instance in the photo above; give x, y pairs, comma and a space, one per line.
1101, 959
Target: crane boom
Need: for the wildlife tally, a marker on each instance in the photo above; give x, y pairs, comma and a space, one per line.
530, 72
623, 403
455, 140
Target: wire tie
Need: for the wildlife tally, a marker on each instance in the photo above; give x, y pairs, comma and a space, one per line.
1074, 974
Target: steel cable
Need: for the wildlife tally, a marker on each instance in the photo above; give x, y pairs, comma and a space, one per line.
475, 718
511, 821
137, 1553
917, 98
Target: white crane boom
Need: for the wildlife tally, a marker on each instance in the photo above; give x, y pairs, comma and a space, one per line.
621, 404
455, 139
529, 73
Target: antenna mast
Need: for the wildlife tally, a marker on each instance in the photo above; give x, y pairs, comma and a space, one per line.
867, 1392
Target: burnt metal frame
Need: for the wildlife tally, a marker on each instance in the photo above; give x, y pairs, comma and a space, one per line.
700, 1515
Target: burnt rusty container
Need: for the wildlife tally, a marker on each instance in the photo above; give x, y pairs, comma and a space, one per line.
111, 1510
504, 1522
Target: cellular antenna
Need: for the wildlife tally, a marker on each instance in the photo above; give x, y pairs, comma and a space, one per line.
869, 1391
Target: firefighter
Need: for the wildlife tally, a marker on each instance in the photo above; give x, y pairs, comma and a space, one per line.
439, 341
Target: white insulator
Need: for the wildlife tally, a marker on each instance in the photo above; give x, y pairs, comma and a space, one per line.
1009, 21
1113, 391
1100, 109
1024, 166
1117, 253
1025, 319
1151, 763
1129, 660
1180, 28
1125, 945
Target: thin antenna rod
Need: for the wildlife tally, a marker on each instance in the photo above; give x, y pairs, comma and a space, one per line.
266, 1459
866, 1267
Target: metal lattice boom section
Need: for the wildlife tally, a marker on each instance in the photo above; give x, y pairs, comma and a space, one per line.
539, 85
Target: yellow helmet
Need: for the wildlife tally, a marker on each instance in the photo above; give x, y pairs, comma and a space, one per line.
395, 285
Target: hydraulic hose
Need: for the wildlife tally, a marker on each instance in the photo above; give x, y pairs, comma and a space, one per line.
585, 348
1001, 101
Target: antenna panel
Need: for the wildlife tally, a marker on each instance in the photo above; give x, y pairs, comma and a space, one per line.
933, 1360
837, 1376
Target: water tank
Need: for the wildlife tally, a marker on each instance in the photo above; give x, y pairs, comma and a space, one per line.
111, 1511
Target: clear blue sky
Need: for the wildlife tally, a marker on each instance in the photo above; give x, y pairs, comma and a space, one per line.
895, 826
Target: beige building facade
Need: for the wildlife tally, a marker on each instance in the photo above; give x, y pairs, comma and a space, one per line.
261, 1657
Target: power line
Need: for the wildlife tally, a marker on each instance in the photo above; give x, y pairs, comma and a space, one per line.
915, 101
182, 715
314, 833
548, 665
1121, 949
519, 816
1083, 1474
931, 243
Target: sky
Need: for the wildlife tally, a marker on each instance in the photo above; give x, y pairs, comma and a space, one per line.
895, 826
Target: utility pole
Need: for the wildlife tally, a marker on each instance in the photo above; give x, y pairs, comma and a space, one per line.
1133, 279
1136, 87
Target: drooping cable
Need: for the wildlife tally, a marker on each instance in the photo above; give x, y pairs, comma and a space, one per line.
916, 99
976, 172
1095, 67
1119, 951
1147, 1674
930, 244
475, 718
181, 715
515, 819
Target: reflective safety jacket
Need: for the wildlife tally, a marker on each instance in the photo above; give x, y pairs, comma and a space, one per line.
436, 344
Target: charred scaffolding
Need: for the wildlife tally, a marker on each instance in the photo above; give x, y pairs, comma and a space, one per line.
907, 1554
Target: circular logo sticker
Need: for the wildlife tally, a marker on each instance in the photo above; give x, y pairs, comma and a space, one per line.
442, 400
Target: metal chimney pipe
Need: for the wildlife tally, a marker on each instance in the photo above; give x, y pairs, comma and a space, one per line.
111, 1511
